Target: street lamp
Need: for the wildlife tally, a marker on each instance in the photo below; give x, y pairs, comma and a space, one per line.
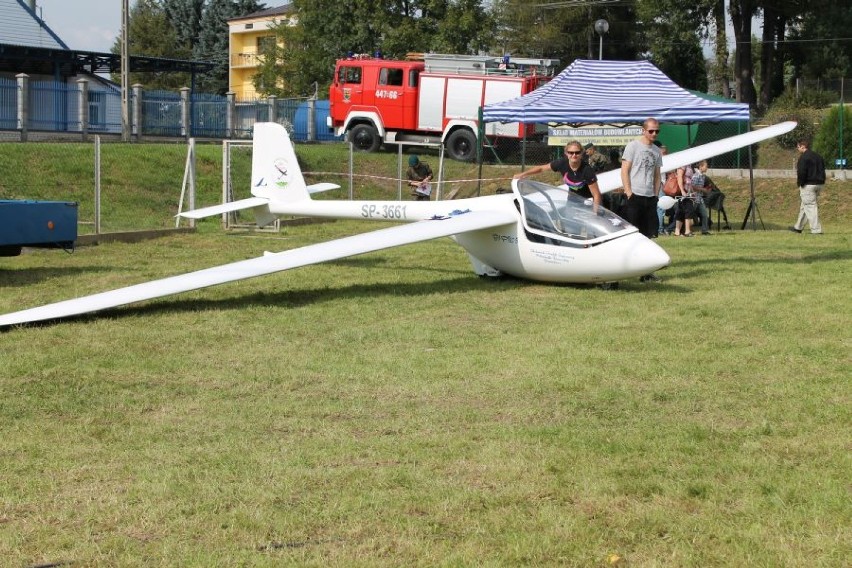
601, 27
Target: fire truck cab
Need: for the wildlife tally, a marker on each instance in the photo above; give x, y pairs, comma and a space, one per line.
432, 98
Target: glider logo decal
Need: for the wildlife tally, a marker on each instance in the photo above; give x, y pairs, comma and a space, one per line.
283, 177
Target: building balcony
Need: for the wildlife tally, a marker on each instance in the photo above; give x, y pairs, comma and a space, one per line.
246, 59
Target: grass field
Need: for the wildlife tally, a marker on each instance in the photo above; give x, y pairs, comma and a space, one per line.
394, 410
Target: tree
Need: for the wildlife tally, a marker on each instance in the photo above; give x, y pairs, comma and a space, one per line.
185, 17
213, 39
150, 34
819, 47
566, 33
719, 68
673, 32
742, 12
465, 27
324, 32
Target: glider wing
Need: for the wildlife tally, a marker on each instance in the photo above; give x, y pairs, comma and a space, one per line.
322, 252
611, 180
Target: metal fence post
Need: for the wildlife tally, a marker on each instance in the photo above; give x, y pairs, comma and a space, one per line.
271, 102
136, 122
97, 185
83, 108
230, 114
23, 104
186, 124
312, 118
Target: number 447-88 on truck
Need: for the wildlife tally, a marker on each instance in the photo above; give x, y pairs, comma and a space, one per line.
429, 98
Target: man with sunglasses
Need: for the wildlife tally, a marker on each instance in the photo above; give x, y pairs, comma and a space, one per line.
640, 176
576, 173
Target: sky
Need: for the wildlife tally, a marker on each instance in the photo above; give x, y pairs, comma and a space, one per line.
86, 25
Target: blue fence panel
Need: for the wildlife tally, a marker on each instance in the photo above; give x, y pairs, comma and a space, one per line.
209, 115
321, 130
8, 104
53, 106
104, 110
285, 113
246, 113
161, 113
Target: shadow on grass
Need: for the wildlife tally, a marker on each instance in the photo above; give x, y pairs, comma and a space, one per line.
295, 298
26, 276
709, 267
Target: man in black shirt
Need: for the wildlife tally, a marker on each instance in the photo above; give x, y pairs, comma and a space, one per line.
810, 177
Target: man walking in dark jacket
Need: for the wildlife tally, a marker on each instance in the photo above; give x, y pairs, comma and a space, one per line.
810, 176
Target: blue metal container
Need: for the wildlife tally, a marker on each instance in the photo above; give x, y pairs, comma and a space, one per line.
25, 223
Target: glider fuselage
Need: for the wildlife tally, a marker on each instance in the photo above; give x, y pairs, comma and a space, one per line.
551, 235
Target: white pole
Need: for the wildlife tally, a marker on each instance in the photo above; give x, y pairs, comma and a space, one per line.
399, 172
125, 71
97, 185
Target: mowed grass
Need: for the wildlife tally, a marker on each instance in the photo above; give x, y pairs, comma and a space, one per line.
394, 410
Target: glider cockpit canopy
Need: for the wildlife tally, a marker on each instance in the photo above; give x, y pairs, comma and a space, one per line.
557, 216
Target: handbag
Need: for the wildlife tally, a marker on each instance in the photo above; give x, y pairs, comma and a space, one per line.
671, 188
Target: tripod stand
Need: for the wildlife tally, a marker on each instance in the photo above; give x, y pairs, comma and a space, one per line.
752, 210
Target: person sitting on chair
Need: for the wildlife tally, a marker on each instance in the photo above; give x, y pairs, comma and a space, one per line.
419, 177
713, 197
701, 189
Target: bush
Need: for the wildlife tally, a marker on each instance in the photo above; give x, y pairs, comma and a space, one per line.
827, 139
806, 108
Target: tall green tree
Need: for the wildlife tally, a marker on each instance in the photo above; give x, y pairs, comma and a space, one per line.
819, 44
185, 17
151, 34
212, 43
566, 32
719, 68
325, 31
742, 11
673, 31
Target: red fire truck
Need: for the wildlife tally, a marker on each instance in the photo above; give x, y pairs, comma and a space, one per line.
430, 98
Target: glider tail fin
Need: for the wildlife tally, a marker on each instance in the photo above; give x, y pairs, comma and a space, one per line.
275, 171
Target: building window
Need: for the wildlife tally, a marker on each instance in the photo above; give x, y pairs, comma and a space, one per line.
249, 26
265, 44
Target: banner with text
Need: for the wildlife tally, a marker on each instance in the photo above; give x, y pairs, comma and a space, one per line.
597, 134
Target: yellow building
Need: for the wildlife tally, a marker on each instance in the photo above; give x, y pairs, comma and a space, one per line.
248, 37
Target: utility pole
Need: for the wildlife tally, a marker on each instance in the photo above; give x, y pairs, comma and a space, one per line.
125, 71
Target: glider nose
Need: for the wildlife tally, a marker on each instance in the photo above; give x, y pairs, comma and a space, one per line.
647, 256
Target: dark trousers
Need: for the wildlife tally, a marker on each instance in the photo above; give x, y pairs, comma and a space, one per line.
641, 212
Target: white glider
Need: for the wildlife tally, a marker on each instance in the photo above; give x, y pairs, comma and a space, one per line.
538, 232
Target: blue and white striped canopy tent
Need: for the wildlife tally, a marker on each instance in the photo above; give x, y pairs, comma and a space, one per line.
611, 92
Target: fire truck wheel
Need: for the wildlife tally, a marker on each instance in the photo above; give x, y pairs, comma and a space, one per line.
365, 138
461, 145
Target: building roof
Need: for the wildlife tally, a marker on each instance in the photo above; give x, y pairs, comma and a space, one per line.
19, 25
284, 10
69, 62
